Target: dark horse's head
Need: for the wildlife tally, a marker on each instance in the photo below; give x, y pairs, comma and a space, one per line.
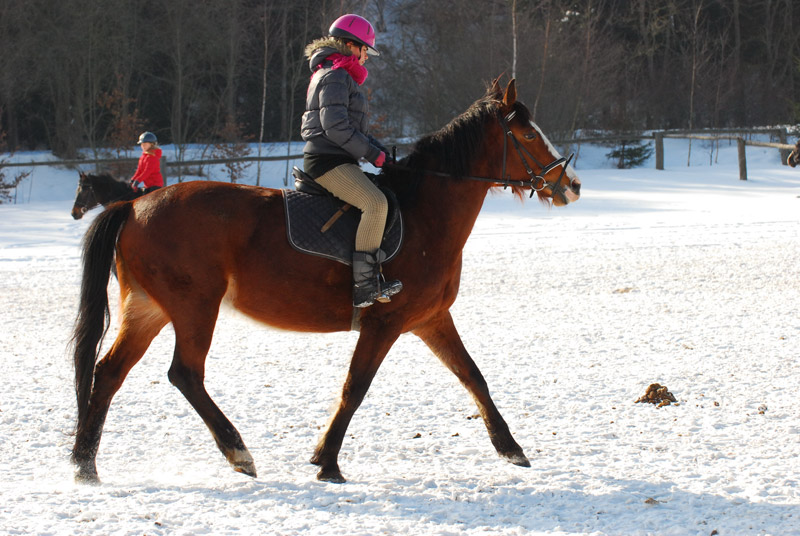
96, 190
496, 140
794, 156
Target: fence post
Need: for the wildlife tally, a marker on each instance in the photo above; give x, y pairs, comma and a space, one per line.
163, 164
784, 152
742, 159
659, 140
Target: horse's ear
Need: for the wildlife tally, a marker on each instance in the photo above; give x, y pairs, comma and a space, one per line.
81, 174
511, 94
495, 89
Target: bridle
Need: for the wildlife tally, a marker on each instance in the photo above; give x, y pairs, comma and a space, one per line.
84, 207
536, 181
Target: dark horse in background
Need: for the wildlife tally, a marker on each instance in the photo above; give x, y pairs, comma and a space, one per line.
794, 156
171, 273
102, 189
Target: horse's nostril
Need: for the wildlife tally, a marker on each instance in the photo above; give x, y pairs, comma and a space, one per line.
576, 187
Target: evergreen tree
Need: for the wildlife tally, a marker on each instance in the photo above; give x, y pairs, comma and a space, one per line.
630, 154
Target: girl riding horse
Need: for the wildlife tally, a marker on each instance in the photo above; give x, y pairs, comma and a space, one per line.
335, 131
148, 173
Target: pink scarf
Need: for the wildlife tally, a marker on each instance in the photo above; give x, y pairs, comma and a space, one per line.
351, 65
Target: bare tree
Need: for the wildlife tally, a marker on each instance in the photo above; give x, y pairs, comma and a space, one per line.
8, 184
514, 39
580, 63
546, 12
266, 25
192, 59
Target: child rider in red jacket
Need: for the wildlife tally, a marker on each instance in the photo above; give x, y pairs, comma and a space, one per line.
148, 172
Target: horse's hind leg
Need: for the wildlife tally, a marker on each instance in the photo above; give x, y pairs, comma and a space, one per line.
192, 342
138, 328
442, 338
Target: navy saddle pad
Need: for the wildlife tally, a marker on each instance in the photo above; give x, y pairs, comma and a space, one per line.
307, 215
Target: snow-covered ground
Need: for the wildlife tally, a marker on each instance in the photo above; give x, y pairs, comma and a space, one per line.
687, 277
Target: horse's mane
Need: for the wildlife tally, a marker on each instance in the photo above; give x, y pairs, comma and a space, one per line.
452, 149
108, 188
106, 179
103, 177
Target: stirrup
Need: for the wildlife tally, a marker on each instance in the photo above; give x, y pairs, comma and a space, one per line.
369, 285
390, 290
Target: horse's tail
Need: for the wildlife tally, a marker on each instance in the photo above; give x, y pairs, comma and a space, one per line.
99, 246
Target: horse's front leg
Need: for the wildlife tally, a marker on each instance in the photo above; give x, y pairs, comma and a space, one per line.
442, 338
373, 345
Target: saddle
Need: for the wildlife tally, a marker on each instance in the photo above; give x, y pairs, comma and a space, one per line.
320, 224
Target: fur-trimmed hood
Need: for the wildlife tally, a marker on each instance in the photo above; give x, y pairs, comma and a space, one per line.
321, 48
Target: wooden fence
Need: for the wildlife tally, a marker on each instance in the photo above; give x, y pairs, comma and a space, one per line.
741, 142
740, 135
165, 162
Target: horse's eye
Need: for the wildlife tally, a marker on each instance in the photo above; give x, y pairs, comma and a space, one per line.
530, 136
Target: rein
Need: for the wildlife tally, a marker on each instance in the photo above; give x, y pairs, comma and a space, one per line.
536, 181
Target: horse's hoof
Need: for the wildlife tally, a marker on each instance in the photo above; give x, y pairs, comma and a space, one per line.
247, 468
334, 477
242, 462
517, 458
84, 475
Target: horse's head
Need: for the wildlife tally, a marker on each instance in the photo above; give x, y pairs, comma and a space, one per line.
99, 189
85, 198
794, 156
529, 156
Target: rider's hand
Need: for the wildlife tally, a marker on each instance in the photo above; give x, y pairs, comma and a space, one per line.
380, 160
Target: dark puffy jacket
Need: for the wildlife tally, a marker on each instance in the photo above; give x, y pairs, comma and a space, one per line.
335, 121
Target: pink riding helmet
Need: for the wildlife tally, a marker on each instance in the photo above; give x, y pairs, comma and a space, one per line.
356, 28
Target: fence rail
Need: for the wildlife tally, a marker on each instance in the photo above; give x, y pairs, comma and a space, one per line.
658, 137
165, 162
742, 143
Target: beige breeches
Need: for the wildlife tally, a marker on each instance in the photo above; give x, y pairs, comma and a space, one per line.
348, 183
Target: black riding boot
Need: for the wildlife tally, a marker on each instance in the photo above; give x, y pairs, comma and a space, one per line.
368, 283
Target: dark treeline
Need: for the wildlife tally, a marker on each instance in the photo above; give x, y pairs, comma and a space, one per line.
90, 73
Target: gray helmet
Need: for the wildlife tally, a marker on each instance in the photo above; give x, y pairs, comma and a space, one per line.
147, 137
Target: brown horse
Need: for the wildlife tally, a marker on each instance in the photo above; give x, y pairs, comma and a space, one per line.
103, 189
182, 250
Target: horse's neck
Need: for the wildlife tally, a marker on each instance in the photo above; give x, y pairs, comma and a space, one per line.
449, 209
109, 189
